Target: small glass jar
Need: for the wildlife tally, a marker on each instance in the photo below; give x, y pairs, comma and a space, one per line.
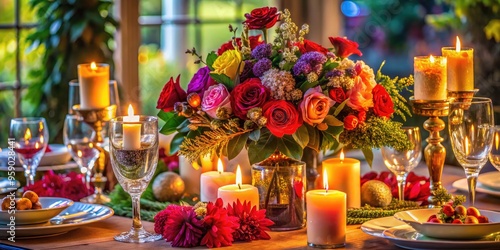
281, 182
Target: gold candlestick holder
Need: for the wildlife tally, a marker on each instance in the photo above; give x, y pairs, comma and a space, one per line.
462, 96
435, 152
97, 118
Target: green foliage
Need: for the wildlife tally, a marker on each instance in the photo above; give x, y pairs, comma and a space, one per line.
394, 86
72, 32
367, 212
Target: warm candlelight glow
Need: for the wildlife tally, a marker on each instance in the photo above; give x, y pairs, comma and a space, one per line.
220, 167
431, 59
93, 66
457, 46
497, 141
325, 180
466, 146
27, 135
79, 153
238, 176
341, 156
130, 110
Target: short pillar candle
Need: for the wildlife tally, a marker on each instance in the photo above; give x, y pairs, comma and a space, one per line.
344, 175
211, 181
430, 78
239, 191
94, 85
460, 64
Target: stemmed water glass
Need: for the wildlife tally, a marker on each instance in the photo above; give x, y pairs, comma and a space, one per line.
495, 150
134, 155
471, 133
402, 162
31, 136
79, 138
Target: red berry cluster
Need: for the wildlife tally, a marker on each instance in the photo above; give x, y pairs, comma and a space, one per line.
458, 215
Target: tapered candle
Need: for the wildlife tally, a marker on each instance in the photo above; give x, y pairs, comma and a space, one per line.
460, 64
94, 85
344, 175
326, 216
239, 191
211, 181
131, 130
430, 78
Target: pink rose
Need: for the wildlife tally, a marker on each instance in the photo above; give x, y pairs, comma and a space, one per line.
315, 106
214, 97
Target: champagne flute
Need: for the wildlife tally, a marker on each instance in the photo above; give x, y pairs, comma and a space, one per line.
471, 134
134, 155
402, 162
31, 136
494, 155
79, 138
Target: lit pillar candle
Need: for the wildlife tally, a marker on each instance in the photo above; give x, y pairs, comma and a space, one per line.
191, 172
238, 191
94, 85
344, 175
326, 217
131, 131
460, 64
211, 181
430, 78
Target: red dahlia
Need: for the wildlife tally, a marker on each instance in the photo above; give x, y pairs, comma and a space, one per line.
220, 226
182, 228
253, 222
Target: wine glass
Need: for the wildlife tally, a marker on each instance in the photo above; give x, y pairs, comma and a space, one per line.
494, 155
79, 138
134, 155
471, 133
402, 162
31, 136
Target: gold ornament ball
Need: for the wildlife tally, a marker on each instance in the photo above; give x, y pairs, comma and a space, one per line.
168, 186
376, 194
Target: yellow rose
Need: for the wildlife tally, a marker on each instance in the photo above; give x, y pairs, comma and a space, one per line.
228, 64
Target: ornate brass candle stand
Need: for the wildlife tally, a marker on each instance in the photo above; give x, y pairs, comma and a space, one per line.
462, 96
435, 152
97, 119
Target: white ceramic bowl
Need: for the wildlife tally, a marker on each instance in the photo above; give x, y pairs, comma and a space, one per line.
418, 220
51, 206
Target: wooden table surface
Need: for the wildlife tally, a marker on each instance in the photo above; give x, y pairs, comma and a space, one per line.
99, 235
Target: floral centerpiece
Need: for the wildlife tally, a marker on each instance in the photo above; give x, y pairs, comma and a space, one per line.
282, 96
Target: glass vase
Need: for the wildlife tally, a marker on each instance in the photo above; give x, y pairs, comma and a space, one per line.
281, 182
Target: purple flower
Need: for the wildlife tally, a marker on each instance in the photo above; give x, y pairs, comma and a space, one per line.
262, 51
350, 72
334, 73
309, 62
216, 96
261, 67
247, 72
200, 81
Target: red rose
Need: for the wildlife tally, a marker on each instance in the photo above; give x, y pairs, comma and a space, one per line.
337, 94
308, 46
351, 122
282, 117
344, 47
261, 18
247, 95
254, 41
382, 102
362, 116
170, 94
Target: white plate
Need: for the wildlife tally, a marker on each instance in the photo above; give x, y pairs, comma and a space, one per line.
51, 206
418, 220
490, 180
80, 213
377, 226
480, 188
58, 156
406, 237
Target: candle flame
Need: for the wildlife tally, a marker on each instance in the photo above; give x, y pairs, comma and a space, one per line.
220, 167
457, 45
93, 66
431, 58
79, 153
325, 180
27, 135
342, 155
466, 146
238, 176
130, 110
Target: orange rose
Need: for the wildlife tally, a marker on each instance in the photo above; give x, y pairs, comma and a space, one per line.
315, 106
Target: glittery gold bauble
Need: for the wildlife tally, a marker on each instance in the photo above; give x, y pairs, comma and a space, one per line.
168, 186
376, 194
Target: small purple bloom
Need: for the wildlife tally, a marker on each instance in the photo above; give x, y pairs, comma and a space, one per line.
334, 73
262, 51
200, 81
247, 72
309, 62
261, 67
350, 72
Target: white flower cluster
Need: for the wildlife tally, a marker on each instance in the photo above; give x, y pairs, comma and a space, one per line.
281, 84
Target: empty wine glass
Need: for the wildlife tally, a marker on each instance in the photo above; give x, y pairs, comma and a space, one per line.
79, 138
495, 150
31, 136
134, 155
471, 135
402, 162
